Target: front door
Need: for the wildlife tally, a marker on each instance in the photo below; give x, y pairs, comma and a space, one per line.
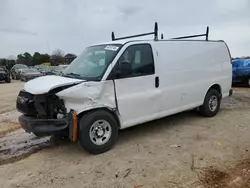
137, 90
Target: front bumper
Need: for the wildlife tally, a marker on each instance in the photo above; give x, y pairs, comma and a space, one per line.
3, 76
67, 126
43, 126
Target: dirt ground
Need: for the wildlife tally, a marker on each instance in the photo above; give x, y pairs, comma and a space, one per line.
8, 93
181, 151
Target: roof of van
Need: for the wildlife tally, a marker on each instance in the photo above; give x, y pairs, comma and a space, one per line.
150, 40
112, 42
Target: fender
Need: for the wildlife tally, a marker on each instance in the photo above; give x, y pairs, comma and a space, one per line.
89, 95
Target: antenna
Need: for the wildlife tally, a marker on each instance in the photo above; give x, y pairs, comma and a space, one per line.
155, 33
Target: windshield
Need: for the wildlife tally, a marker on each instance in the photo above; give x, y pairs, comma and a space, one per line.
93, 62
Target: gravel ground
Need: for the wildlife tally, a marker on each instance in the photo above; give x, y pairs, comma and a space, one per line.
8, 93
182, 151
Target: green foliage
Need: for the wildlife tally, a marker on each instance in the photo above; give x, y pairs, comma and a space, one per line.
7, 63
37, 58
3, 62
40, 58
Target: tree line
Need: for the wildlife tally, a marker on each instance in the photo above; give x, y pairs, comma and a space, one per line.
58, 56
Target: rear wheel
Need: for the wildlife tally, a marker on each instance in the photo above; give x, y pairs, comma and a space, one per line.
98, 131
211, 104
8, 80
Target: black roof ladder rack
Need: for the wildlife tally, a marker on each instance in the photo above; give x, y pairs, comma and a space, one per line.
193, 36
155, 33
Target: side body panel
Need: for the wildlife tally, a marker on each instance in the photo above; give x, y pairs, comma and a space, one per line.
138, 100
187, 69
137, 96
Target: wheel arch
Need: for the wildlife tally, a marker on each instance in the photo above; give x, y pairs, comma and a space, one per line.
113, 112
217, 87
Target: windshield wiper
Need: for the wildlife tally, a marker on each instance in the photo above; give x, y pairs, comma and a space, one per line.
71, 74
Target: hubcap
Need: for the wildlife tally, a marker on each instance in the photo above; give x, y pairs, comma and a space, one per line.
213, 103
100, 132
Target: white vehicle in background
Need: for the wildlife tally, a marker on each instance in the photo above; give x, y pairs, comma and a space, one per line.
120, 84
63, 66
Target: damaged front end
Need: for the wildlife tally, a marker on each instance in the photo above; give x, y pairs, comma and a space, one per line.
44, 114
52, 106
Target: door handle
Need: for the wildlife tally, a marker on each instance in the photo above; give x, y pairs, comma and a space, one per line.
157, 81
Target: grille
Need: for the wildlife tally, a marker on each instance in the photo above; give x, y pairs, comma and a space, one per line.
25, 103
2, 76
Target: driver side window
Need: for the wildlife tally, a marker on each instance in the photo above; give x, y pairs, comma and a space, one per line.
138, 61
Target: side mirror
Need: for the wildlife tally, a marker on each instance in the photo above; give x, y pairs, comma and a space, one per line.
124, 69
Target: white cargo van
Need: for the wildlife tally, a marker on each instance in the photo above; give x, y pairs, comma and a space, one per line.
120, 84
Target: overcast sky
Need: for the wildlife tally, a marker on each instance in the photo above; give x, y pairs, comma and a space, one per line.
71, 25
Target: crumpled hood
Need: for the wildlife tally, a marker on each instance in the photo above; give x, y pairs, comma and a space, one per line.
44, 84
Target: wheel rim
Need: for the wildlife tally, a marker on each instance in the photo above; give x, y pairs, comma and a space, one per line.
100, 132
249, 81
213, 103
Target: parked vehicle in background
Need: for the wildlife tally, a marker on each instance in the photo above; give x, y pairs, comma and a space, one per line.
15, 71
48, 71
29, 74
44, 69
4, 74
124, 83
63, 66
57, 70
241, 71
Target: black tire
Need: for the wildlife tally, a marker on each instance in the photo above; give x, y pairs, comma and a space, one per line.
8, 80
85, 125
205, 109
248, 82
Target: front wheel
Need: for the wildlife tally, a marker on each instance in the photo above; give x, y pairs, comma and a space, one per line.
98, 131
211, 105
